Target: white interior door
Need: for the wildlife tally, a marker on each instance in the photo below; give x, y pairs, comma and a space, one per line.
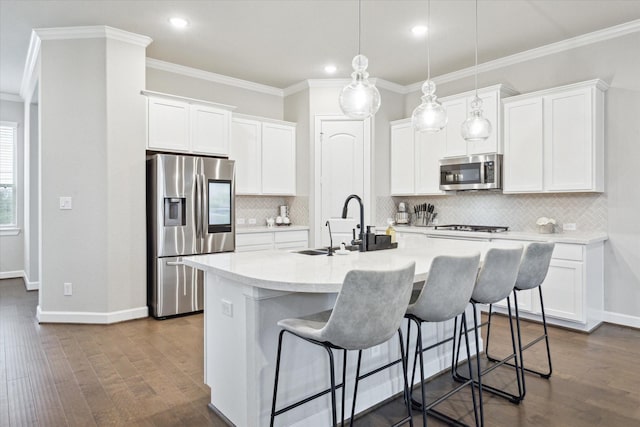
341, 174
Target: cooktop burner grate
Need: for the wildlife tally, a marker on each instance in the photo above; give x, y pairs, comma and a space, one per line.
477, 228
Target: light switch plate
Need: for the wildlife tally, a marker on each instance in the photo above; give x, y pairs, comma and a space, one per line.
66, 203
569, 226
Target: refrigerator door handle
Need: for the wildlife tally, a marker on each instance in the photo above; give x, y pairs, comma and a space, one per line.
198, 207
203, 214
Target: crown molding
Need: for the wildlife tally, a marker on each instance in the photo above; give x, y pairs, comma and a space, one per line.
212, 77
92, 32
340, 83
10, 97
29, 76
528, 55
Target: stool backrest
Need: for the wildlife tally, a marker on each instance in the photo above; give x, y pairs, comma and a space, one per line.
497, 275
448, 288
369, 308
534, 265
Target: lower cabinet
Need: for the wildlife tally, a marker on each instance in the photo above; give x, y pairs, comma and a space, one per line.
268, 240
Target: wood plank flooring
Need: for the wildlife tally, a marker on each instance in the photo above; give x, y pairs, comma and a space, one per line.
150, 373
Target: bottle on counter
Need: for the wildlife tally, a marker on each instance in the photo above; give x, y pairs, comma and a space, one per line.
390, 230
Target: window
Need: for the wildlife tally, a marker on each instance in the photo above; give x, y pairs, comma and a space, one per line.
8, 190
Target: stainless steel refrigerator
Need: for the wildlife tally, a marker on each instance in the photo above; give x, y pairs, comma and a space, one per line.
190, 211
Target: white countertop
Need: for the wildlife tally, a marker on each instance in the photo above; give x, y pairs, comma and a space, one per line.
265, 229
575, 237
289, 271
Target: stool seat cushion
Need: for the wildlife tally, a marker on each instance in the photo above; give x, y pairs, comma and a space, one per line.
497, 276
368, 311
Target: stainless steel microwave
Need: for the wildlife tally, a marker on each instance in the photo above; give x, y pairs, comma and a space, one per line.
483, 172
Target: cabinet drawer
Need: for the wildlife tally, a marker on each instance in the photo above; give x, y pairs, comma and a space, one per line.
254, 239
290, 236
567, 251
254, 248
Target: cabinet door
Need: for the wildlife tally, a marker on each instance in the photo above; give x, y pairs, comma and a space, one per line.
490, 111
569, 140
455, 145
246, 149
168, 125
209, 130
429, 149
402, 159
523, 146
562, 290
278, 159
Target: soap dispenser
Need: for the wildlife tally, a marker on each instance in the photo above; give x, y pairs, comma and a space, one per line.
390, 230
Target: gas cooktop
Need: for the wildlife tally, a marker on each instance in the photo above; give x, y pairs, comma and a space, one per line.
477, 228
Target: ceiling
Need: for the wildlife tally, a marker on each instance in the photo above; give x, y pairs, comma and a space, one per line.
282, 42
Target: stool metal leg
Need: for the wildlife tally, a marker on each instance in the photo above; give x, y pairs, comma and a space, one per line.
344, 381
479, 422
544, 336
275, 382
334, 415
405, 361
355, 389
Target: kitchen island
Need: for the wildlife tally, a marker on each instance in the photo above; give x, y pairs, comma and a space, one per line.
245, 296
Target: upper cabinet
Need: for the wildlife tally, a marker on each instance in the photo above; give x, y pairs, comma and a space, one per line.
186, 125
554, 140
265, 155
415, 160
458, 107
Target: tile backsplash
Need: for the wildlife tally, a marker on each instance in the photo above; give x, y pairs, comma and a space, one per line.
263, 207
517, 211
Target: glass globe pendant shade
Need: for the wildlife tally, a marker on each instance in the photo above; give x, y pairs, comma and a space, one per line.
476, 128
430, 116
359, 99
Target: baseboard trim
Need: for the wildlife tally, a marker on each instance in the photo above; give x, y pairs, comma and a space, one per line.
91, 317
11, 274
621, 319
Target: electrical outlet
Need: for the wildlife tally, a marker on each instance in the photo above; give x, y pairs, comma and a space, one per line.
68, 289
66, 203
252, 221
240, 221
569, 226
227, 307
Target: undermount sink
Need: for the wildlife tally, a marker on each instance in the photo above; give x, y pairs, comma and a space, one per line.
325, 251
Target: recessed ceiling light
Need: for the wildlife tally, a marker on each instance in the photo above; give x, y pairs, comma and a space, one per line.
330, 69
419, 30
179, 22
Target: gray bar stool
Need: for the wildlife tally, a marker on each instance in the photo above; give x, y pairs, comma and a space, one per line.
496, 280
533, 270
444, 296
368, 311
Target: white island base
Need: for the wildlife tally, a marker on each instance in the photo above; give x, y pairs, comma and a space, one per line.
241, 333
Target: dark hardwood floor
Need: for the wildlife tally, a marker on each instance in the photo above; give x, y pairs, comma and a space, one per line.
149, 373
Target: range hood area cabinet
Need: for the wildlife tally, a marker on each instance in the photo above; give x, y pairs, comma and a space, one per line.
415, 156
184, 125
265, 155
554, 140
415, 160
458, 107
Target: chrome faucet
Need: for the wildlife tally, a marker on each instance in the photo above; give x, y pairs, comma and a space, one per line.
361, 241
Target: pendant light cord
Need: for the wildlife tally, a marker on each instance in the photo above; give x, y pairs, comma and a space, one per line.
428, 37
359, 23
476, 73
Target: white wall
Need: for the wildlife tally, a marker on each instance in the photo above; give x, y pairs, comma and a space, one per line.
12, 247
616, 61
92, 149
246, 101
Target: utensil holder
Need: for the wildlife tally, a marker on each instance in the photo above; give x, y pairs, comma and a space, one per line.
423, 219
545, 229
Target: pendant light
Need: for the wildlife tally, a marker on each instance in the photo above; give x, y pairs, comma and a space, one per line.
430, 116
476, 128
359, 99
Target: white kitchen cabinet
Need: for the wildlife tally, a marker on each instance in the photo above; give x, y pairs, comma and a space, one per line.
168, 125
415, 160
278, 159
185, 125
458, 107
402, 158
554, 140
265, 155
254, 241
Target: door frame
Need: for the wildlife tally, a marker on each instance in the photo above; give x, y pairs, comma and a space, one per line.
316, 198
